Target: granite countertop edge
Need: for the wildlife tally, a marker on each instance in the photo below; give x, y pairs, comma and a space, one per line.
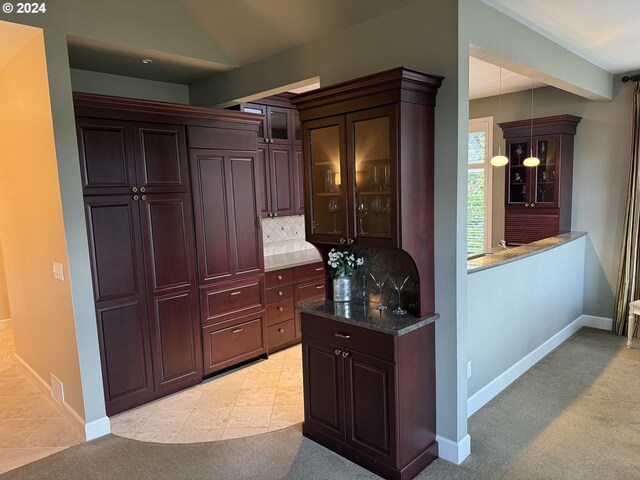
517, 253
281, 261
327, 309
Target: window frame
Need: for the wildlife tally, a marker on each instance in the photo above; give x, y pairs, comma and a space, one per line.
484, 124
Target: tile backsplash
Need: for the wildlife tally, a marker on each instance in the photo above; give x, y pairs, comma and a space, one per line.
283, 235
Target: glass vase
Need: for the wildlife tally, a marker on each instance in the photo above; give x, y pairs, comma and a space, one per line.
342, 289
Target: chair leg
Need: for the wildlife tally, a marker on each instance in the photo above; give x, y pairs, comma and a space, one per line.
631, 328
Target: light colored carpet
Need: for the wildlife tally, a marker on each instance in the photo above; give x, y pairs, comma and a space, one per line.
575, 415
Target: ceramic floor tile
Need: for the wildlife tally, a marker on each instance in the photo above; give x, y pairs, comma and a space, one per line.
286, 415
290, 379
266, 366
218, 398
187, 399
155, 436
199, 435
289, 396
293, 352
251, 417
56, 432
165, 421
252, 397
128, 423
14, 431
257, 380
11, 458
18, 385
231, 381
242, 432
292, 365
28, 406
207, 418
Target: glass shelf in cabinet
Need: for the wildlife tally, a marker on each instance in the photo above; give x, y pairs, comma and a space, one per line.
381, 192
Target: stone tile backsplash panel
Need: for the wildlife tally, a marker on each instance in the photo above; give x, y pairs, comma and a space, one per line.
283, 235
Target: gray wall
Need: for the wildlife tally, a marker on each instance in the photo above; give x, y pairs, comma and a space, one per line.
107, 84
515, 308
601, 172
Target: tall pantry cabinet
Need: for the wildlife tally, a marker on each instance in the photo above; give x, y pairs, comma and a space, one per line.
140, 226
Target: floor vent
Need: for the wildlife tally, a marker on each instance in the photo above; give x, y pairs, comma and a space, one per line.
57, 389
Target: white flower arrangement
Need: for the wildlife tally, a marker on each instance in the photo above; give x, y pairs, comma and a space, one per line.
343, 263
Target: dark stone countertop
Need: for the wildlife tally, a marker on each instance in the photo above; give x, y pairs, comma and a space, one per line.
365, 315
484, 262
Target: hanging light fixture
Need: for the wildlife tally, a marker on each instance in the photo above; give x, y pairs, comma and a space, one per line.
499, 160
531, 161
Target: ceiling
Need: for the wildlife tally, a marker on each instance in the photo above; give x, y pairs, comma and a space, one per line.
484, 80
607, 33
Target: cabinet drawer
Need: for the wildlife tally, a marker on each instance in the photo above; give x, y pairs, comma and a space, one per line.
348, 336
233, 344
277, 294
222, 301
309, 291
308, 271
279, 312
280, 333
279, 277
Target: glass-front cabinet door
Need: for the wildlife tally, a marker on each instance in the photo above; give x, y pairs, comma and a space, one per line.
327, 180
517, 173
546, 190
372, 168
278, 122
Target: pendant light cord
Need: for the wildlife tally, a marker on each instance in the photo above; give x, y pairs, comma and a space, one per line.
500, 107
531, 117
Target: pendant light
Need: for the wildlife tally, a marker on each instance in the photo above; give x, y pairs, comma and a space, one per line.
531, 161
499, 160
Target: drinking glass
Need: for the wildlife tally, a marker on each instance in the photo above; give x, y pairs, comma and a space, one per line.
398, 284
377, 208
379, 281
334, 207
375, 178
363, 209
387, 178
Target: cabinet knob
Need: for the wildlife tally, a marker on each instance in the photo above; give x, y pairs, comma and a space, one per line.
533, 204
281, 330
143, 197
350, 241
526, 204
136, 197
338, 352
345, 354
270, 215
134, 189
275, 214
343, 240
142, 189
281, 309
279, 277
279, 293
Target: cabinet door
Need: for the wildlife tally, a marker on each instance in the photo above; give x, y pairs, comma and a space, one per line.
323, 377
161, 158
370, 405
258, 110
296, 127
115, 248
279, 126
216, 251
327, 208
167, 227
545, 178
282, 174
298, 166
106, 156
518, 187
264, 180
372, 176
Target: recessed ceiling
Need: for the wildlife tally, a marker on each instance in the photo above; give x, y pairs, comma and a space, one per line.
484, 80
13, 37
85, 54
606, 33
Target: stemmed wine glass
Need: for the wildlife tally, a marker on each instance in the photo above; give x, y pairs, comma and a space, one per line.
334, 206
363, 209
398, 284
377, 208
382, 277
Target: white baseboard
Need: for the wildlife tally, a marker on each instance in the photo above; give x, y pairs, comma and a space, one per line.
91, 430
454, 452
502, 381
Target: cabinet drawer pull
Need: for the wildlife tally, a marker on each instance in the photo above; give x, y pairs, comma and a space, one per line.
319, 287
237, 330
533, 204
134, 189
345, 354
319, 269
142, 189
342, 335
338, 352
136, 197
279, 277
281, 330
280, 309
350, 241
279, 293
236, 293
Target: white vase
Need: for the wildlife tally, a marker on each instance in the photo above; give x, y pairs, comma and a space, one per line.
342, 289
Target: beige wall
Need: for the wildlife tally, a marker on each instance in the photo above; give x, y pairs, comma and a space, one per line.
5, 310
31, 223
600, 175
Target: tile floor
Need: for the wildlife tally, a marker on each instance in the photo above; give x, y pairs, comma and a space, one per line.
258, 398
32, 424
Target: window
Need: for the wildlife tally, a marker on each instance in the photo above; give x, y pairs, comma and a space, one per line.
479, 184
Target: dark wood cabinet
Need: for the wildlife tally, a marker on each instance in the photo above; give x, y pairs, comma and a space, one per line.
368, 145
538, 199
140, 221
365, 394
279, 141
